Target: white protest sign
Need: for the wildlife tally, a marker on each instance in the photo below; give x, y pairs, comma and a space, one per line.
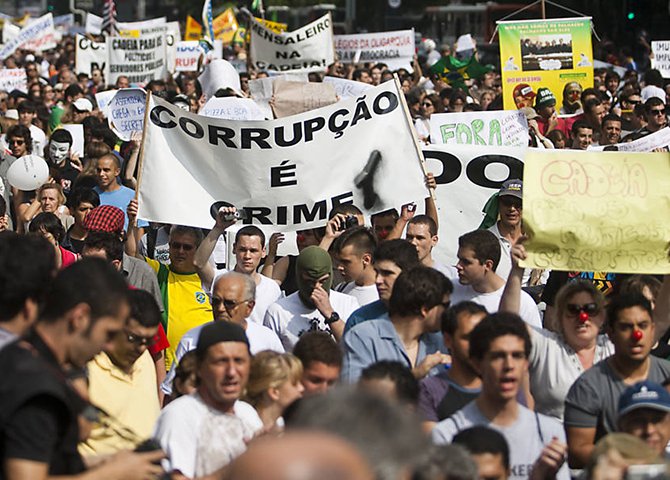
93, 24
467, 176
274, 169
77, 132
89, 55
37, 35
395, 49
346, 89
501, 128
232, 108
152, 22
309, 48
648, 143
187, 55
660, 59
125, 112
13, 79
64, 23
9, 31
140, 59
103, 99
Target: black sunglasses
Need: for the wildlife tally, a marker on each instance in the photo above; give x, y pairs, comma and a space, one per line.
590, 309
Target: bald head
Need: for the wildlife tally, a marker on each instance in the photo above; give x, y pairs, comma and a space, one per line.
233, 297
300, 455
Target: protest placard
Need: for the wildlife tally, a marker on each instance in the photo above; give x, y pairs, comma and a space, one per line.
232, 108
590, 211
648, 143
77, 132
93, 24
13, 79
103, 99
274, 170
309, 48
291, 98
345, 89
543, 53
89, 55
467, 176
225, 25
143, 24
501, 128
140, 59
187, 55
125, 112
396, 49
38, 35
193, 29
660, 59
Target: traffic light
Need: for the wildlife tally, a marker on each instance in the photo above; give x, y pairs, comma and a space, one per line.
631, 15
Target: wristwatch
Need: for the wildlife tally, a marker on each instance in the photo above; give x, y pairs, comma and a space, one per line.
334, 317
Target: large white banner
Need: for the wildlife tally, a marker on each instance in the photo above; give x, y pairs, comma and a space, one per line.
38, 35
13, 79
660, 59
467, 176
140, 59
497, 128
395, 49
648, 143
288, 173
89, 55
309, 48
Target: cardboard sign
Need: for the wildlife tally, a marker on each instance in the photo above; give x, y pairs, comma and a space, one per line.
125, 112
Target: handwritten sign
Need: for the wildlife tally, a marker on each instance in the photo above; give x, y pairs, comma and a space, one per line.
590, 211
660, 139
347, 88
497, 128
103, 99
232, 108
13, 79
660, 59
125, 112
36, 36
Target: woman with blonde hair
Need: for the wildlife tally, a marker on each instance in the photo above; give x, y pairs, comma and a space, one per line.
274, 383
49, 198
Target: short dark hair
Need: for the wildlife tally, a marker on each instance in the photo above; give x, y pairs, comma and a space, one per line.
416, 288
406, 385
344, 209
91, 281
358, 73
361, 238
61, 136
196, 233
611, 117
651, 103
480, 439
27, 266
580, 124
83, 195
398, 251
23, 132
494, 326
622, 302
425, 220
484, 244
450, 316
143, 308
591, 103
317, 347
110, 243
250, 231
73, 90
27, 107
48, 222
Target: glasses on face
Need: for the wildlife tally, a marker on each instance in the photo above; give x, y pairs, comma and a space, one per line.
187, 247
16, 141
575, 309
227, 304
658, 112
139, 340
509, 201
635, 102
427, 104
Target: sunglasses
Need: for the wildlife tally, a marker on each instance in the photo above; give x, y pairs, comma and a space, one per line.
591, 309
187, 247
427, 104
658, 112
227, 304
16, 142
635, 102
509, 201
139, 340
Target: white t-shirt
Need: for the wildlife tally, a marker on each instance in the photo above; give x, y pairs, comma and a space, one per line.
365, 294
260, 338
198, 439
289, 317
267, 293
448, 271
491, 301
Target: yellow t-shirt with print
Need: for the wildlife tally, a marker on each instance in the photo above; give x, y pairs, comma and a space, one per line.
188, 307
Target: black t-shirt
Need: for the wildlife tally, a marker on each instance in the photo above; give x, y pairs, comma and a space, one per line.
38, 409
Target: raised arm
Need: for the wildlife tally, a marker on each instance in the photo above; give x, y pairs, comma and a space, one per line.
201, 260
133, 235
511, 297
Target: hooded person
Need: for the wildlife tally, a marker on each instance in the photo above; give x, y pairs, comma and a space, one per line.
314, 307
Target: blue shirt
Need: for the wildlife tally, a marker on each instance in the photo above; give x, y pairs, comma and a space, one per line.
376, 340
120, 199
372, 311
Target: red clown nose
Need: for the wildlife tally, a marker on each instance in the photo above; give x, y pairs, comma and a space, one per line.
637, 335
583, 317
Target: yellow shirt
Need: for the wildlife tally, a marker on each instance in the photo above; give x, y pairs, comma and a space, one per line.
188, 307
130, 399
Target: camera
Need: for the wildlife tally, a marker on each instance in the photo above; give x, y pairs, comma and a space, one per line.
349, 222
240, 214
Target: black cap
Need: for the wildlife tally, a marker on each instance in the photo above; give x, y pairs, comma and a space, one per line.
218, 332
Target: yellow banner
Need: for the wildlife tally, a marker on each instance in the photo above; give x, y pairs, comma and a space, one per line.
193, 29
274, 26
225, 26
597, 211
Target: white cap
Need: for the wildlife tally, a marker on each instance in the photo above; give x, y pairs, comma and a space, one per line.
30, 58
12, 114
83, 105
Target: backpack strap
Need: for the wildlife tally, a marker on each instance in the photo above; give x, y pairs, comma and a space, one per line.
163, 273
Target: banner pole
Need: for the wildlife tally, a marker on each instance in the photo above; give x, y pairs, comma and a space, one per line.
422, 161
140, 159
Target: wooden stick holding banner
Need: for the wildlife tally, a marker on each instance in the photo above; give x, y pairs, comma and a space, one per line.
140, 159
419, 152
